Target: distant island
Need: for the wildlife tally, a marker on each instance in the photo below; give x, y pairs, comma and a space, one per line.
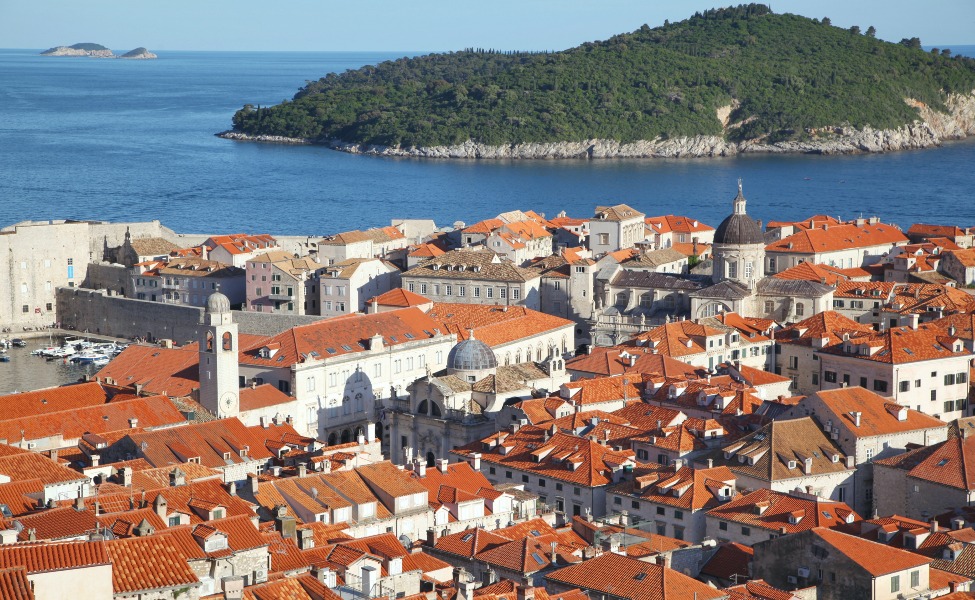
96, 51
720, 83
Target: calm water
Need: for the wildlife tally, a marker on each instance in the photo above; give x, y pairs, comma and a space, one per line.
25, 372
133, 140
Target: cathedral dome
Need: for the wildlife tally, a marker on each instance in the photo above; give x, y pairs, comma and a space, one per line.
218, 303
739, 228
472, 355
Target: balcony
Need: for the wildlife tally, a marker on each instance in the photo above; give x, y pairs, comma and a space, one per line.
281, 297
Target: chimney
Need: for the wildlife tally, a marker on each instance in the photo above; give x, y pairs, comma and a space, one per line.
233, 588
370, 432
442, 465
553, 555
934, 526
161, 507
710, 463
285, 524
432, 536
463, 584
807, 466
306, 539
488, 577
8, 536
54, 455
526, 593
133, 423
856, 418
177, 477
476, 461
302, 469
325, 575
126, 475
79, 503
232, 488
663, 560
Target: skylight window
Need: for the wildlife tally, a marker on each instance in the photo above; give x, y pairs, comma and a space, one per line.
827, 514
467, 537
639, 576
347, 347
942, 462
908, 350
409, 336
330, 350
535, 532
538, 558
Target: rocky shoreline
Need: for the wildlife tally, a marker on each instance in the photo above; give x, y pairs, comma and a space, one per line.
933, 128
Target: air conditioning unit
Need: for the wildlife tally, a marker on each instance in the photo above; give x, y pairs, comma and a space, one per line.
31, 445
792, 579
834, 436
260, 575
804, 572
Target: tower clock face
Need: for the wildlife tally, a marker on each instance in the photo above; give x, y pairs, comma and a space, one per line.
228, 401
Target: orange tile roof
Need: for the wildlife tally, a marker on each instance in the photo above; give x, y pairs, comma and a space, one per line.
730, 562
23, 465
680, 338
400, 298
210, 442
901, 345
158, 477
56, 556
812, 272
17, 495
153, 562
48, 400
57, 524
879, 416
616, 359
687, 488
624, 577
426, 251
758, 589
838, 237
393, 481
561, 456
791, 513
827, 325
949, 231
876, 559
484, 227
262, 396
676, 224
171, 371
494, 325
342, 335
602, 389
950, 463
14, 584
154, 411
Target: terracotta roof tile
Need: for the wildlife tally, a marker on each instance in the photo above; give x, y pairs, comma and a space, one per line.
56, 556
14, 584
878, 415
48, 400
730, 561
838, 237
876, 559
950, 463
494, 325
153, 562
776, 511
625, 577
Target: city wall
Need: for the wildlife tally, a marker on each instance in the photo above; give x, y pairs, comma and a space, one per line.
102, 312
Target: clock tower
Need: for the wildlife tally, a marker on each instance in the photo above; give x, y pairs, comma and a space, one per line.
219, 370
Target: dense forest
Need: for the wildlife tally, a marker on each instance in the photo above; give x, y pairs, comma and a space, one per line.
787, 74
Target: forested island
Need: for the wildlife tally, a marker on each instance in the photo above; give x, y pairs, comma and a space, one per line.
731, 80
97, 51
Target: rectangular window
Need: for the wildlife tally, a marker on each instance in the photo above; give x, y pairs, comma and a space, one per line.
904, 386
491, 470
949, 406
310, 385
524, 478
879, 385
934, 394
410, 286
515, 294
723, 526
746, 530
679, 515
477, 292
950, 379
661, 510
502, 293
635, 504
461, 291
895, 584
377, 370
448, 290
423, 288
541, 482
507, 474
829, 376
617, 501
490, 292
915, 579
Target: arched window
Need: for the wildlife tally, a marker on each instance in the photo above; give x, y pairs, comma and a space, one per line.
331, 439
228, 341
431, 459
621, 299
422, 408
435, 409
517, 356
800, 309
646, 300
538, 353
209, 341
346, 436
732, 270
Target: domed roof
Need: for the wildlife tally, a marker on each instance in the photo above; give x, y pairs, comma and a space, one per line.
739, 228
218, 303
472, 355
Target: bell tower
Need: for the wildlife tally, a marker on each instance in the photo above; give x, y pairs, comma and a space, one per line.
219, 369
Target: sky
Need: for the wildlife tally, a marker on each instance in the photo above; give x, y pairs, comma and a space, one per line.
423, 25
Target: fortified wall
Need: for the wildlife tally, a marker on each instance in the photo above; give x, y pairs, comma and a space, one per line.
102, 312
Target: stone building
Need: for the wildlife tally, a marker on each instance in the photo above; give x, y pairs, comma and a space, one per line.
615, 228
344, 287
280, 282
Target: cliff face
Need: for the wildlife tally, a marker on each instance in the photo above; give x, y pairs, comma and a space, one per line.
931, 129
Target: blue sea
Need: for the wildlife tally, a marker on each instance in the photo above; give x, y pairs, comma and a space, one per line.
133, 140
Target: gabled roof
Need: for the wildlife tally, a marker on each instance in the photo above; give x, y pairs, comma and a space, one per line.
768, 452
677, 339
901, 345
676, 224
878, 415
624, 577
685, 488
54, 399
950, 463
812, 272
618, 212
825, 328
170, 371
400, 298
732, 561
262, 396
23, 465
495, 325
876, 559
341, 335
57, 556
834, 238
616, 360
212, 442
779, 512
153, 562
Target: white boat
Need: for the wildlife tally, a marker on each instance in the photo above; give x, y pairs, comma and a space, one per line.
88, 357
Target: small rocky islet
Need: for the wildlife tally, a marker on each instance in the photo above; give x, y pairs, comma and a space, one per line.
97, 51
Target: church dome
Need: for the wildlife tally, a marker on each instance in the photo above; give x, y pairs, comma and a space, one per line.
472, 355
739, 228
218, 303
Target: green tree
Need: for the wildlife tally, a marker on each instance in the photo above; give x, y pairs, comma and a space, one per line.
871, 31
